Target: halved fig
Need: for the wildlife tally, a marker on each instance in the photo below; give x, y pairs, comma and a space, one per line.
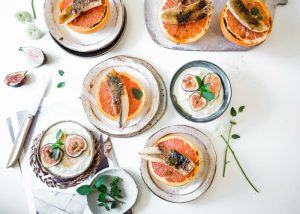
189, 83
36, 57
75, 145
197, 102
215, 83
47, 156
15, 79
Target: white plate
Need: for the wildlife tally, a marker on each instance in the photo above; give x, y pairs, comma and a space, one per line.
203, 179
140, 70
127, 185
84, 42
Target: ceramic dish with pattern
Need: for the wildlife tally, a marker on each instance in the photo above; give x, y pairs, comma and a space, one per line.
182, 167
84, 41
122, 96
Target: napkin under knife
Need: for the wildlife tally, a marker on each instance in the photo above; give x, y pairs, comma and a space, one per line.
24, 129
112, 160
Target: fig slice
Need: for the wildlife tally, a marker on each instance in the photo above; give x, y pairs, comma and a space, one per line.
189, 83
15, 79
75, 145
215, 83
47, 158
197, 102
36, 57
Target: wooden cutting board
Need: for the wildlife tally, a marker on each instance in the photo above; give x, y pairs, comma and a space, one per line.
212, 41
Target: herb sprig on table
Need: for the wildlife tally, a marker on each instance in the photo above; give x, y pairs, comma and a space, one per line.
204, 89
220, 131
55, 146
109, 196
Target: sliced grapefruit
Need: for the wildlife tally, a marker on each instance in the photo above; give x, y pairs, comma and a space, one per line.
166, 174
183, 33
91, 20
136, 104
237, 33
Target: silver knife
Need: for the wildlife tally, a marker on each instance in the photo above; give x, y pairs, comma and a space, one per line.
112, 160
22, 134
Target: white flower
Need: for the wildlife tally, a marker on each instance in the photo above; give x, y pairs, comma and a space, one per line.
23, 16
219, 130
33, 32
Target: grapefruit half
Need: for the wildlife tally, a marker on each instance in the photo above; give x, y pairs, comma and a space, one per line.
166, 174
91, 20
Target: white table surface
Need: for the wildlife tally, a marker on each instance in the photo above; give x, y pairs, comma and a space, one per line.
265, 79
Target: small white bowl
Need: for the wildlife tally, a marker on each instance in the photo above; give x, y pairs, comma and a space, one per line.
127, 185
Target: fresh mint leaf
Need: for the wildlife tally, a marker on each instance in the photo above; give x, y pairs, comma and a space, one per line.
55, 153
233, 112
115, 191
114, 204
199, 81
137, 93
235, 136
59, 134
114, 181
84, 189
205, 87
100, 181
208, 95
61, 85
102, 188
102, 197
61, 72
254, 11
105, 205
241, 108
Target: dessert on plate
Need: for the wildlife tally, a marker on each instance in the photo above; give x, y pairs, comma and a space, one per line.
121, 97
84, 16
185, 21
172, 160
246, 22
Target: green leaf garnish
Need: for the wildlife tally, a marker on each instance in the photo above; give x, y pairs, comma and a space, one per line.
100, 181
55, 153
59, 134
138, 94
109, 199
233, 122
61, 72
233, 112
199, 82
241, 108
84, 189
205, 87
235, 136
208, 95
60, 85
254, 11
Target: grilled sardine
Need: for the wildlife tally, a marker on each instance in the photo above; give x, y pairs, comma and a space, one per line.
120, 97
171, 158
244, 16
76, 8
183, 14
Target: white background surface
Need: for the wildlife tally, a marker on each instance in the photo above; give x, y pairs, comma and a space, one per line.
265, 79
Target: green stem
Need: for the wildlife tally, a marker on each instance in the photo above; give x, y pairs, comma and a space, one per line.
33, 10
237, 161
226, 151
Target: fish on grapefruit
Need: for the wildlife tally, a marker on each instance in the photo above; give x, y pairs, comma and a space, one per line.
165, 173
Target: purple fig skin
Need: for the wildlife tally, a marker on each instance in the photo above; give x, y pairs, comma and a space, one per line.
191, 104
15, 79
43, 59
186, 89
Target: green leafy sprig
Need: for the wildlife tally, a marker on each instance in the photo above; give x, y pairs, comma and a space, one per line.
204, 89
55, 146
234, 113
109, 199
